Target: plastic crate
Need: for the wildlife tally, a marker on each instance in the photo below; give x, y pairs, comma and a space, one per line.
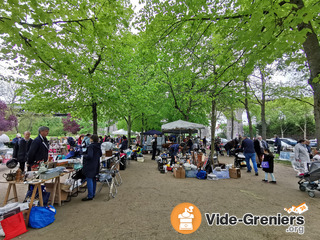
223, 174
140, 159
191, 173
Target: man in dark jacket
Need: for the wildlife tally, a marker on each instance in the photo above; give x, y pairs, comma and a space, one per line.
204, 140
249, 153
21, 149
277, 143
124, 143
189, 144
154, 142
91, 165
39, 148
258, 149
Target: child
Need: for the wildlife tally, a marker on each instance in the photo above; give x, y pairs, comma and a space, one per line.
137, 152
268, 157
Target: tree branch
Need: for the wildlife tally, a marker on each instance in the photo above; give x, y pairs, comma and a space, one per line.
40, 25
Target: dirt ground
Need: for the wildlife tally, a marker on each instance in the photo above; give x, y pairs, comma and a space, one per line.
142, 207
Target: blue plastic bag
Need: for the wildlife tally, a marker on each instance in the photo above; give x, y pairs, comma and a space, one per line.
41, 216
202, 174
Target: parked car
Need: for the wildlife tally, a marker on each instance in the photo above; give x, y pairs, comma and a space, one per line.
313, 142
289, 141
223, 142
284, 145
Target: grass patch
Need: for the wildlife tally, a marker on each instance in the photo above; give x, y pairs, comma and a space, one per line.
287, 163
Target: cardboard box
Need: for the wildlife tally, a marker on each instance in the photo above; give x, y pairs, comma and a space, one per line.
109, 153
234, 173
179, 172
64, 194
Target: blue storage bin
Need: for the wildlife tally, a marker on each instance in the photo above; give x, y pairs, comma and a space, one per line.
191, 173
221, 174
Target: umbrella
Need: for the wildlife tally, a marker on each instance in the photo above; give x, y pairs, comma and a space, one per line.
152, 132
4, 138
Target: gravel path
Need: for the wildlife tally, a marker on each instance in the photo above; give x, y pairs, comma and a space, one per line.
142, 208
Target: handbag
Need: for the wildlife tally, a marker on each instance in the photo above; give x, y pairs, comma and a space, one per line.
13, 226
265, 164
41, 216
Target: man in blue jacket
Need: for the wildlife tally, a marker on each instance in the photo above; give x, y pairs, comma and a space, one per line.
249, 152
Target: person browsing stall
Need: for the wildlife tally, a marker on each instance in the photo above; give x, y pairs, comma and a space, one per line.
91, 165
173, 150
248, 151
39, 148
301, 154
124, 143
21, 149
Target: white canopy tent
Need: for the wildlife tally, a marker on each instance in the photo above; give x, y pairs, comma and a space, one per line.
181, 126
122, 132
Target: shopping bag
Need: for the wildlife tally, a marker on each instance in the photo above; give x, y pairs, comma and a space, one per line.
265, 164
13, 226
202, 174
41, 216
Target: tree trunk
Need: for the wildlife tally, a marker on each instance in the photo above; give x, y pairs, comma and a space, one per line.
263, 108
213, 128
282, 131
305, 127
129, 123
246, 106
95, 118
232, 123
311, 48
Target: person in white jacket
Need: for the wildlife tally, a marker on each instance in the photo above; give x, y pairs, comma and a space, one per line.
301, 154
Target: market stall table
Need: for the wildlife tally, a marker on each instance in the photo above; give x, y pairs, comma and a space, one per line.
37, 187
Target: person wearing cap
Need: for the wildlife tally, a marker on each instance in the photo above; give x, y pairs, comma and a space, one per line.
39, 148
249, 152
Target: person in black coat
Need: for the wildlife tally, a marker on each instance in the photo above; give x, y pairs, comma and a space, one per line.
124, 143
268, 157
259, 150
39, 148
154, 142
91, 166
21, 149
